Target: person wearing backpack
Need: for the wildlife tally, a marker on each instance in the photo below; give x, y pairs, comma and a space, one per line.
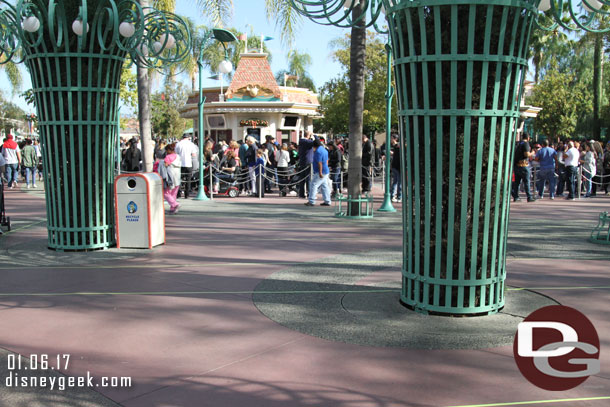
521, 169
250, 159
334, 164
396, 185
29, 162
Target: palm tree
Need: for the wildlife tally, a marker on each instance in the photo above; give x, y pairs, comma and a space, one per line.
543, 44
287, 18
298, 64
13, 74
597, 83
144, 108
356, 106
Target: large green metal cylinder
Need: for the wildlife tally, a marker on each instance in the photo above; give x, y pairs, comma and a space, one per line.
459, 67
77, 98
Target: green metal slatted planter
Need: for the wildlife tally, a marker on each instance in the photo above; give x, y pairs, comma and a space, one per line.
459, 67
78, 135
75, 59
601, 232
347, 205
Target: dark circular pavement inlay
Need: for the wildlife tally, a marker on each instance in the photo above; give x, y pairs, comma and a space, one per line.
323, 299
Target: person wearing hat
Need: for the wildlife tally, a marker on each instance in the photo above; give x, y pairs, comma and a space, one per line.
12, 156
188, 152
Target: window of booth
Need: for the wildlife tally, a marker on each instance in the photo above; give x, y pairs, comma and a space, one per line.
290, 122
217, 121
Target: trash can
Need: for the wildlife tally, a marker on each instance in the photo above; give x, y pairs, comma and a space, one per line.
140, 217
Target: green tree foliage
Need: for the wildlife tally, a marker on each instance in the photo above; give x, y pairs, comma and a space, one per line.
13, 73
9, 112
129, 88
298, 65
562, 99
214, 53
544, 45
581, 56
165, 118
334, 98
334, 95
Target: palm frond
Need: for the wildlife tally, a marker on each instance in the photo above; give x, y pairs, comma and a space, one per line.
220, 12
165, 5
14, 76
286, 19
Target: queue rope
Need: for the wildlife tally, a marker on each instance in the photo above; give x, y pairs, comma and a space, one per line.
591, 179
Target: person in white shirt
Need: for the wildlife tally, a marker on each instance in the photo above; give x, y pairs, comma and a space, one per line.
187, 150
571, 158
12, 156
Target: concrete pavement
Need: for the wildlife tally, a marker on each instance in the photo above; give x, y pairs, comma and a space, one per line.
180, 320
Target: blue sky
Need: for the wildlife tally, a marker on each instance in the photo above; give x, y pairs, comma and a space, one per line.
310, 37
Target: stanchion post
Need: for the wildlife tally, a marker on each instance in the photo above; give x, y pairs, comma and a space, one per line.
309, 183
535, 171
118, 141
260, 182
211, 182
387, 206
579, 183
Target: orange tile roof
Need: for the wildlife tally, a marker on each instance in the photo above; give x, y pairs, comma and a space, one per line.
300, 95
210, 96
253, 70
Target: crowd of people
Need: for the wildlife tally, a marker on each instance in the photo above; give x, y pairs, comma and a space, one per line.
561, 167
23, 158
315, 164
253, 168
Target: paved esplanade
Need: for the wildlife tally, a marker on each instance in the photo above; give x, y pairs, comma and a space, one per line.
182, 320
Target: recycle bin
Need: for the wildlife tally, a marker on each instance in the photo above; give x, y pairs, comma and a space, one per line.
140, 217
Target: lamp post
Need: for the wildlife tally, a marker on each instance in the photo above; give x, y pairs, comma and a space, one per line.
75, 57
225, 67
459, 69
387, 196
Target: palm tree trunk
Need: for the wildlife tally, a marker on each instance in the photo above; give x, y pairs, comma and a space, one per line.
144, 118
356, 107
144, 107
597, 84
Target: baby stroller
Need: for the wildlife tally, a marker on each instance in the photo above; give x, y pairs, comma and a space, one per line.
4, 220
287, 180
